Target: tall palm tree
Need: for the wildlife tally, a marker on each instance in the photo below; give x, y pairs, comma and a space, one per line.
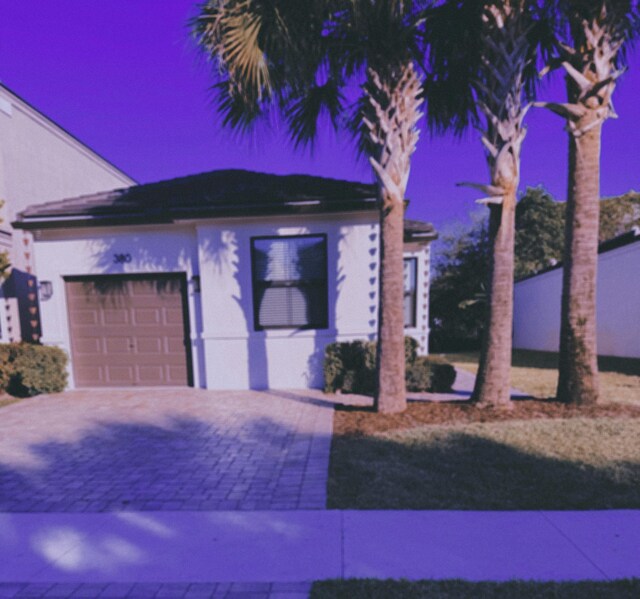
298, 58
594, 35
483, 65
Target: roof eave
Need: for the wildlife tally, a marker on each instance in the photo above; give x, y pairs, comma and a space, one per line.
26, 222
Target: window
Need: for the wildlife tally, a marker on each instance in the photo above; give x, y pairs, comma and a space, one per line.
410, 291
289, 282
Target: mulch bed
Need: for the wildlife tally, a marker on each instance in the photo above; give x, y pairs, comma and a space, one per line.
353, 420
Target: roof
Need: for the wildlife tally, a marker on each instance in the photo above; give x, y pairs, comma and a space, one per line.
417, 230
207, 195
632, 236
214, 194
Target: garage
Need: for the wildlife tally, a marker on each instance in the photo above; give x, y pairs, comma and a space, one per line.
129, 330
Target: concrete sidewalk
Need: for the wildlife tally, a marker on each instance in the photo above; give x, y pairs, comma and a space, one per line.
297, 546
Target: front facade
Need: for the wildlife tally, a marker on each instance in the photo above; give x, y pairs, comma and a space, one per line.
537, 302
228, 280
39, 162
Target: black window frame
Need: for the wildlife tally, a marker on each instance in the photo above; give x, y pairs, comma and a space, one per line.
414, 315
323, 285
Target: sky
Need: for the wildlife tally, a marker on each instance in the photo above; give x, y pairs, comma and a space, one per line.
126, 78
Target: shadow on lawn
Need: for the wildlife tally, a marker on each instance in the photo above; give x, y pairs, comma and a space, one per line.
182, 464
463, 472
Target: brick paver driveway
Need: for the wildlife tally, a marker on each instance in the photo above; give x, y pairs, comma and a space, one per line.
168, 449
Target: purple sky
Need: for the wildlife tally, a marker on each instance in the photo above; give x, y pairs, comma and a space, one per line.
126, 79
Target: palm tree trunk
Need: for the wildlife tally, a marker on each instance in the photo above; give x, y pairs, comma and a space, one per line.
578, 364
493, 383
391, 391
395, 102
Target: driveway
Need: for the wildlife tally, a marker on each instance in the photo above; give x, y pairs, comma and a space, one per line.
165, 449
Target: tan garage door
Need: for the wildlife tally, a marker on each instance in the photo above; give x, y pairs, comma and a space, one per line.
128, 330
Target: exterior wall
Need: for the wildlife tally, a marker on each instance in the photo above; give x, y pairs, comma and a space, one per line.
227, 351
92, 252
239, 357
40, 162
421, 331
537, 306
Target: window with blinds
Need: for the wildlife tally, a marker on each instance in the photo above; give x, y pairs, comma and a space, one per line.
289, 282
410, 291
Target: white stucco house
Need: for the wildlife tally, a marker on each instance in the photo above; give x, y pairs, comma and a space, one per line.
39, 162
225, 280
537, 302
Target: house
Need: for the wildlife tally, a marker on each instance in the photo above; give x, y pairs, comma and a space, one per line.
39, 161
537, 302
225, 280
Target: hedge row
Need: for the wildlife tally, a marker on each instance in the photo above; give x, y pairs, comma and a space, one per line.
27, 370
350, 367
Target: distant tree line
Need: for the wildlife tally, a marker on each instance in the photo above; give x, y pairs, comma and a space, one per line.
458, 290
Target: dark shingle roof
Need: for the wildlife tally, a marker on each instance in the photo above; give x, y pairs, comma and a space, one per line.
210, 195
207, 195
417, 230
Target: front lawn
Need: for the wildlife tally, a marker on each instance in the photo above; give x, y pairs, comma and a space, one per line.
460, 589
540, 454
536, 373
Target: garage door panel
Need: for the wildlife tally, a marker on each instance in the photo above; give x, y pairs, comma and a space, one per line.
88, 345
128, 331
149, 345
118, 344
172, 316
81, 316
111, 316
150, 374
120, 375
146, 316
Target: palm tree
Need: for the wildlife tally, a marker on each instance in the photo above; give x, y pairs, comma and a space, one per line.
594, 35
298, 58
482, 61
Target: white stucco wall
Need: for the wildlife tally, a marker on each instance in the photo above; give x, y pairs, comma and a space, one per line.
40, 162
227, 351
537, 306
91, 251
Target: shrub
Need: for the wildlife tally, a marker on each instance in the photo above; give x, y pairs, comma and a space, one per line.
418, 375
443, 375
350, 367
410, 350
430, 374
27, 370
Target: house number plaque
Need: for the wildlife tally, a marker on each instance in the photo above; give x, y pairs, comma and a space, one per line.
121, 258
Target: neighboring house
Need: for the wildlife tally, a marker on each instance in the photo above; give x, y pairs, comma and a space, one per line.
537, 302
225, 280
39, 162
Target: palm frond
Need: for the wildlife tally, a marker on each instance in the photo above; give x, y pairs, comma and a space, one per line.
305, 110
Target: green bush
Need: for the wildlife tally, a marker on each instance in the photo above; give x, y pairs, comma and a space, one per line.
443, 376
430, 374
27, 370
350, 367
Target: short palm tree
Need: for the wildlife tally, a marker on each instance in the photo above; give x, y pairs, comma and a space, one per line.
482, 61
593, 36
298, 57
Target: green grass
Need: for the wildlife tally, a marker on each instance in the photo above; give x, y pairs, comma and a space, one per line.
577, 463
536, 373
459, 589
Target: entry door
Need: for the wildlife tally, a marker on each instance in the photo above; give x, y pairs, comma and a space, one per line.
129, 330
